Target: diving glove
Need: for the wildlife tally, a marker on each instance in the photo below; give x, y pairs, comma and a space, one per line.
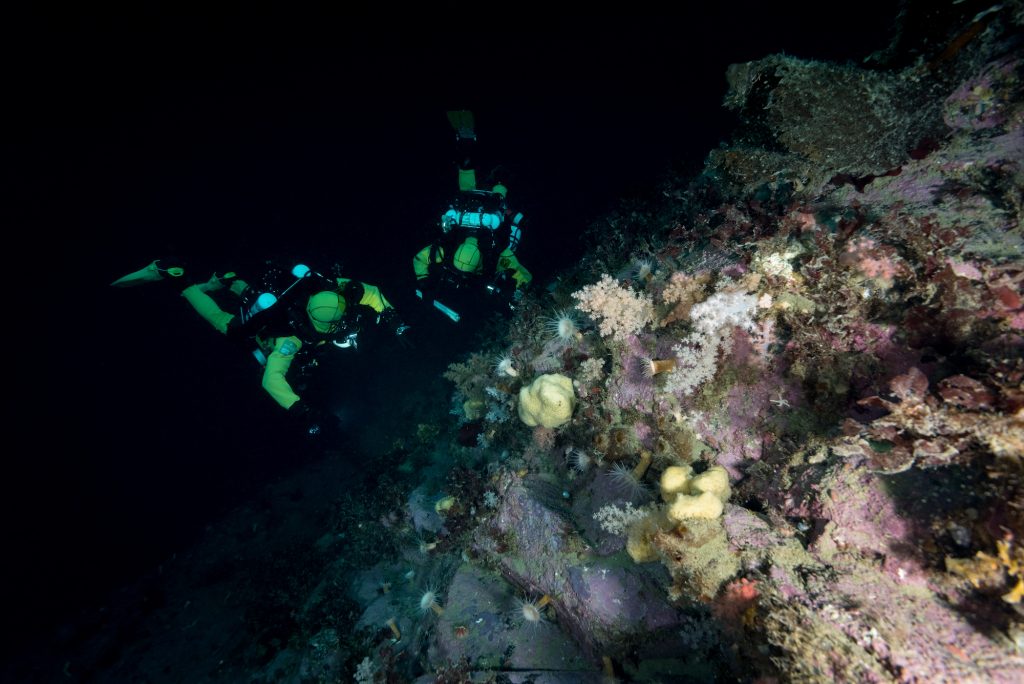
313, 423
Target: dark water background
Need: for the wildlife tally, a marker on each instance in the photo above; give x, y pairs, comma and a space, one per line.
241, 136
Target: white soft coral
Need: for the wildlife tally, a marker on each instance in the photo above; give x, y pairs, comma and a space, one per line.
714, 320
621, 312
724, 309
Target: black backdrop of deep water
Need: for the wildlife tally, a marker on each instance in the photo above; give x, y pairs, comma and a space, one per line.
239, 135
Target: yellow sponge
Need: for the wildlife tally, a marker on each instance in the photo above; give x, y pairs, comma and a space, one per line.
705, 505
714, 480
675, 480
547, 401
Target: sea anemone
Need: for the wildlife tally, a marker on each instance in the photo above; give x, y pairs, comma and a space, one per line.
503, 366
563, 326
653, 367
394, 629
429, 602
579, 460
644, 269
530, 611
646, 457
626, 481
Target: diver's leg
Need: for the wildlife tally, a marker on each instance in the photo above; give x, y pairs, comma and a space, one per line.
207, 308
168, 269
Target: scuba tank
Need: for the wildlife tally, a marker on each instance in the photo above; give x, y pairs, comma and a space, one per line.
256, 300
454, 218
474, 210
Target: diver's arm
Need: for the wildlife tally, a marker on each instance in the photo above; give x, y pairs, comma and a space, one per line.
367, 295
507, 261
274, 375
421, 262
515, 232
467, 180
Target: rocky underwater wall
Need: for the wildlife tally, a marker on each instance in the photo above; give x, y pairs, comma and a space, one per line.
782, 429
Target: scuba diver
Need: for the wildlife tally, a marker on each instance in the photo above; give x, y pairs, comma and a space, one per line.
473, 255
286, 318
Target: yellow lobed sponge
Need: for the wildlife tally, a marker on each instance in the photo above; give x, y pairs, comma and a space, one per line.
547, 401
703, 496
675, 480
705, 505
714, 480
